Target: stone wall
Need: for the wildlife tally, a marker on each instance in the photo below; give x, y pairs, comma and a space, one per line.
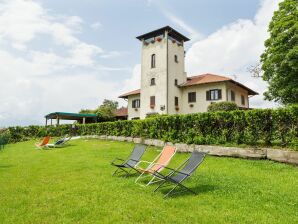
284, 156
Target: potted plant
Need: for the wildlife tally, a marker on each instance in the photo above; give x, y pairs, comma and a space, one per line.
191, 105
145, 43
152, 41
136, 109
158, 39
152, 106
176, 108
173, 41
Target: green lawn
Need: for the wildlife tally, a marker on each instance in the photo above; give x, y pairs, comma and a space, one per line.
74, 185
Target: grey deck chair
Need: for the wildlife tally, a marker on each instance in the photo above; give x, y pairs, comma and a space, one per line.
131, 161
176, 177
58, 143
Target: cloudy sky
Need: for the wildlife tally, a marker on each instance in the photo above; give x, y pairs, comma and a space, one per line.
67, 55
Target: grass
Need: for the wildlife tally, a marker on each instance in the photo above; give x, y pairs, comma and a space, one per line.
74, 185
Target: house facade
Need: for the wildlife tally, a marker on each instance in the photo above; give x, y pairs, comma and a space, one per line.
165, 87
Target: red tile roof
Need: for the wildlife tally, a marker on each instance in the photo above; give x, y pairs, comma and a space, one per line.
121, 112
135, 92
210, 78
204, 78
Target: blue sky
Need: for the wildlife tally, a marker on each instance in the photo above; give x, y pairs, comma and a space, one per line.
66, 55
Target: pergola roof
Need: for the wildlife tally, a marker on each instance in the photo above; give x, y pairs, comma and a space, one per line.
70, 116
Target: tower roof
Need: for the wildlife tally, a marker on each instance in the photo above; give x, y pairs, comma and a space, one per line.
172, 32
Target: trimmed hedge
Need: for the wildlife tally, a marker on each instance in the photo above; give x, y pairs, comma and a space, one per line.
222, 106
253, 127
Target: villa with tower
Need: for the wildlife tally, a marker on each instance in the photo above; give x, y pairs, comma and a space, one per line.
165, 86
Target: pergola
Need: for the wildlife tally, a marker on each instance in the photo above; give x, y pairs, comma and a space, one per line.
81, 118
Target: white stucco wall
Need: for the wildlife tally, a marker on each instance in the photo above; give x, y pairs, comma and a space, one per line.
175, 71
201, 103
159, 73
133, 112
238, 92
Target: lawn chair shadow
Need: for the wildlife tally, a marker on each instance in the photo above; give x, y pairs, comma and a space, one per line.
199, 189
5, 166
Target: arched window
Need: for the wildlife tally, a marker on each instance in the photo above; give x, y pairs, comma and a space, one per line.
153, 61
176, 58
152, 82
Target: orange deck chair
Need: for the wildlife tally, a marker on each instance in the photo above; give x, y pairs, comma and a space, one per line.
43, 142
157, 164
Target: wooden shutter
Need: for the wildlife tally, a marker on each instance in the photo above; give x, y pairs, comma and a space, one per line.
152, 100
208, 95
219, 94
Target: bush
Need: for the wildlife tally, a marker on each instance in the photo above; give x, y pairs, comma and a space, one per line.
222, 106
252, 127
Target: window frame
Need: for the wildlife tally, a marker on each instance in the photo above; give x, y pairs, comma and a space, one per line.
153, 61
152, 101
176, 58
176, 101
192, 97
136, 103
214, 94
242, 100
152, 82
233, 96
176, 82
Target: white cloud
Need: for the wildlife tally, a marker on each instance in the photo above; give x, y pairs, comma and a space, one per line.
193, 34
96, 25
231, 49
63, 76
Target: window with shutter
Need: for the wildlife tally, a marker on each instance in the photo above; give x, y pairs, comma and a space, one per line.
176, 101
192, 97
152, 101
214, 94
242, 100
232, 95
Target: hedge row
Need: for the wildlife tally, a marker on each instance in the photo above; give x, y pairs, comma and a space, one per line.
253, 127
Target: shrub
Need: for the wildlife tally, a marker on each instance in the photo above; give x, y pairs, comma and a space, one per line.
222, 106
252, 127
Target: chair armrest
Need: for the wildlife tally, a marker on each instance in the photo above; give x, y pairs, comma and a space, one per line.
174, 171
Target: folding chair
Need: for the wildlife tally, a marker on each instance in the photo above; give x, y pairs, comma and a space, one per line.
177, 176
131, 161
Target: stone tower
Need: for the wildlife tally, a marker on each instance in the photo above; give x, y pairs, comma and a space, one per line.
162, 70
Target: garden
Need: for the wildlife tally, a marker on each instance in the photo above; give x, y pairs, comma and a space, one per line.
74, 184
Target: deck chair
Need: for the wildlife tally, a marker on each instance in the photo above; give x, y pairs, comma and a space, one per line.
157, 164
131, 161
58, 143
177, 176
43, 142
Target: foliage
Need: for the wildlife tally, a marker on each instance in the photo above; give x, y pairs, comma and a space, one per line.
253, 127
280, 59
222, 106
74, 184
105, 112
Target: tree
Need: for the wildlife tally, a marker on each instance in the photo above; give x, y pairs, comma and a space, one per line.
280, 58
105, 112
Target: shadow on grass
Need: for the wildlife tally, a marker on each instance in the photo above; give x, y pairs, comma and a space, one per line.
180, 192
5, 166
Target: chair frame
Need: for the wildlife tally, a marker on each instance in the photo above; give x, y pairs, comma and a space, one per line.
145, 174
122, 166
167, 178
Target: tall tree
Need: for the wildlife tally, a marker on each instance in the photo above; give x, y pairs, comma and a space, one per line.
280, 59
